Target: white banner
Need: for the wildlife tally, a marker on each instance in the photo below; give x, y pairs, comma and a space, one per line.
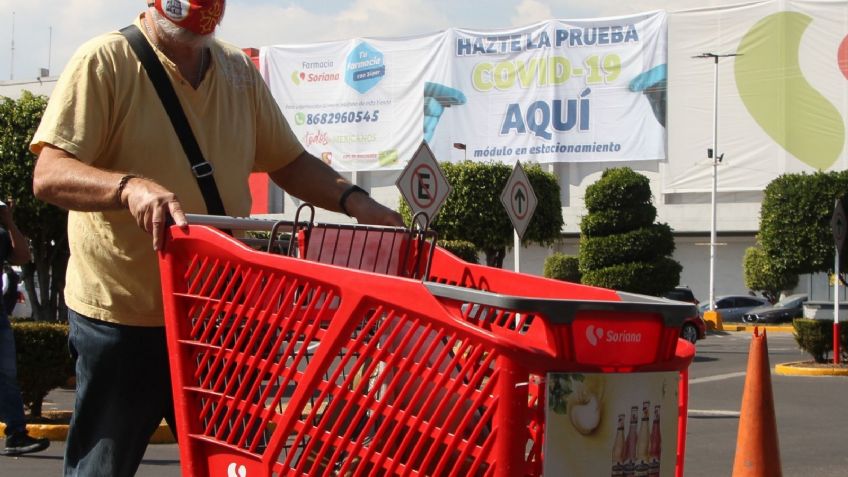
557, 91
562, 91
355, 104
782, 102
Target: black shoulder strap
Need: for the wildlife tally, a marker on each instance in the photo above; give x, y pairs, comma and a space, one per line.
201, 169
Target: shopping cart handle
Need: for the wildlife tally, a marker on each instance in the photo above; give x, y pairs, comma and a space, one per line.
563, 311
232, 223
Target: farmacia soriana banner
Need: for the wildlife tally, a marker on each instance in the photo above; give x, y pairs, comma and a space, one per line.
557, 91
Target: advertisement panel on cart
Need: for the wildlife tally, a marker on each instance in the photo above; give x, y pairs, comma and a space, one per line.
611, 424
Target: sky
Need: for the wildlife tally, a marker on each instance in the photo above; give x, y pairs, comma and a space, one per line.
37, 34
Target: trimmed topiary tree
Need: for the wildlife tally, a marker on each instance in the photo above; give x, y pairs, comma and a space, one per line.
620, 245
473, 212
562, 267
762, 276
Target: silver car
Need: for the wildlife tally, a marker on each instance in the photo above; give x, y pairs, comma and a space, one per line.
733, 307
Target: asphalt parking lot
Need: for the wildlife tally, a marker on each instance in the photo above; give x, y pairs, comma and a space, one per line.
810, 417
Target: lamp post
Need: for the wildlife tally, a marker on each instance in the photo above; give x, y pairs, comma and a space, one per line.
463, 148
716, 157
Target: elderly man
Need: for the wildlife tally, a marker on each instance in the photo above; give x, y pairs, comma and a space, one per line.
107, 152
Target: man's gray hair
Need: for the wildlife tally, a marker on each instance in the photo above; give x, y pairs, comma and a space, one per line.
176, 33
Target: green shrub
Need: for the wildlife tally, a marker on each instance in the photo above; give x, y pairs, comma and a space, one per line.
620, 246
816, 338
618, 188
461, 248
613, 221
795, 230
637, 277
44, 362
762, 276
646, 244
562, 267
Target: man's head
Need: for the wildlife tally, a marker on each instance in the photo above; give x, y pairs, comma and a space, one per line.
198, 16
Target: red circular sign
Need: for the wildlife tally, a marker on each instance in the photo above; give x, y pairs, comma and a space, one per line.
522, 202
423, 186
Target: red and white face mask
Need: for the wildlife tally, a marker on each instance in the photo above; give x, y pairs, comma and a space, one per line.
199, 16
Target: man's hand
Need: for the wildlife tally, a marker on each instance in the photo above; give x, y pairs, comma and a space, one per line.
368, 211
151, 205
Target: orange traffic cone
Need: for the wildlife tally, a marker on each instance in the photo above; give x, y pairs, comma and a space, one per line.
757, 450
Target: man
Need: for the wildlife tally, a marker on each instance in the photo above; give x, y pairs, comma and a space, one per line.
15, 250
108, 153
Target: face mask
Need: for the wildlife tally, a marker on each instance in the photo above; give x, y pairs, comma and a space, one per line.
199, 16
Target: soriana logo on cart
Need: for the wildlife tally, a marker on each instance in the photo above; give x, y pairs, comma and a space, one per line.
616, 341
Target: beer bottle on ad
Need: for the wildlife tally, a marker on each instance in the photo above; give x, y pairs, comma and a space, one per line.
630, 444
643, 441
619, 456
656, 444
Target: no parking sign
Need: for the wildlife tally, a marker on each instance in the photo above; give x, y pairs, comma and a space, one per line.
423, 184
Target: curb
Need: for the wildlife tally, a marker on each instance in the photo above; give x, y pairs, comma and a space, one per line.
59, 432
768, 328
790, 369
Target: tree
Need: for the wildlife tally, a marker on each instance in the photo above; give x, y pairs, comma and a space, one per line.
762, 276
795, 216
45, 225
620, 245
562, 267
474, 212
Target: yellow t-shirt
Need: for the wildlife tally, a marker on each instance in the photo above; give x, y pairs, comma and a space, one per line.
105, 111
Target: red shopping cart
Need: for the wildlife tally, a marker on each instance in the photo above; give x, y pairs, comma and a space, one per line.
370, 351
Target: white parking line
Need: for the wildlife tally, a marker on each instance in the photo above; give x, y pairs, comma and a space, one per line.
717, 377
712, 413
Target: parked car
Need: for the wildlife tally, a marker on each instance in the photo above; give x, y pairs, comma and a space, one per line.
23, 309
682, 293
786, 309
693, 328
732, 307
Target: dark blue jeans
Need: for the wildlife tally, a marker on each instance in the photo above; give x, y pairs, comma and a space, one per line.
11, 405
123, 392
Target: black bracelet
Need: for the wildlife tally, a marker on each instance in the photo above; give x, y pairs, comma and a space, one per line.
343, 198
123, 184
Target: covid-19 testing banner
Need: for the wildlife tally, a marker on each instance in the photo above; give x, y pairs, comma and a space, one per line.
556, 91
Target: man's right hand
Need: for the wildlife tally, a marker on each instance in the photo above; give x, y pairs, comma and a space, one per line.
62, 180
151, 205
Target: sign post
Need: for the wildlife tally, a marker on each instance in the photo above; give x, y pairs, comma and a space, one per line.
520, 202
839, 226
422, 184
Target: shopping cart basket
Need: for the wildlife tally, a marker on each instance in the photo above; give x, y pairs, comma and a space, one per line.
370, 351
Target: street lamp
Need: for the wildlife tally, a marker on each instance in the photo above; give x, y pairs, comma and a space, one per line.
716, 157
463, 148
